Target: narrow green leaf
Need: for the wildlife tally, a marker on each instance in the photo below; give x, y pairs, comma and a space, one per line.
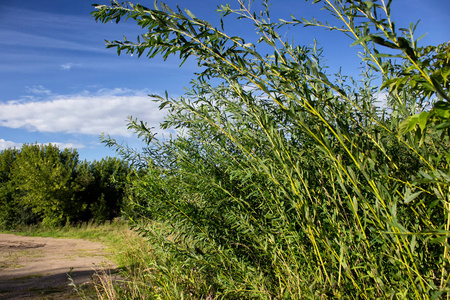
410, 197
413, 122
408, 124
362, 39
189, 13
381, 41
423, 118
412, 244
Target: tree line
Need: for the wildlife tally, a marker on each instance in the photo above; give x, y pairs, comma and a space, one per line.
42, 183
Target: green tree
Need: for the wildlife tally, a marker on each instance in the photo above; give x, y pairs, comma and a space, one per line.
104, 190
45, 177
290, 183
12, 212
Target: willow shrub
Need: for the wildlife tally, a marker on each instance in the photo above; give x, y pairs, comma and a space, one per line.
288, 182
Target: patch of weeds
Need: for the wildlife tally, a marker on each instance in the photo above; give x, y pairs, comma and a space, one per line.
14, 266
89, 253
10, 261
9, 258
31, 253
47, 290
25, 277
84, 290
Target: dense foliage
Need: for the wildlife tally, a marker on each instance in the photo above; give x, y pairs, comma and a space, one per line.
288, 182
43, 183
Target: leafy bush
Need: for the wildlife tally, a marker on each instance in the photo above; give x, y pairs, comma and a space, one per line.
290, 183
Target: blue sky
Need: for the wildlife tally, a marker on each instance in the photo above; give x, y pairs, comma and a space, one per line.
60, 85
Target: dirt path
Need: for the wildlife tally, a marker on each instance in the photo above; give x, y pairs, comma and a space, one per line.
37, 268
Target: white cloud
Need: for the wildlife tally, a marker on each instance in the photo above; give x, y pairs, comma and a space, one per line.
67, 145
9, 144
84, 113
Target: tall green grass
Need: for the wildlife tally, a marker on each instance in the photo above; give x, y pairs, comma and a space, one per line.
290, 183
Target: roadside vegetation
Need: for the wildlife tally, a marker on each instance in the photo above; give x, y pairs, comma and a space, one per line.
288, 182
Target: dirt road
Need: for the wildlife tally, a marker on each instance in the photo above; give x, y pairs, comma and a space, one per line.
38, 268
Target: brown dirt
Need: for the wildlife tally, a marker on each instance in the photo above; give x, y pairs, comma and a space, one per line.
39, 268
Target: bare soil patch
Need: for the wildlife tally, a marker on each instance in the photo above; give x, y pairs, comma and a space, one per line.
39, 268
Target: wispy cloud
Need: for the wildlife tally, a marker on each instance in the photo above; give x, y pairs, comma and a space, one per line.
89, 113
38, 90
22, 39
69, 66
